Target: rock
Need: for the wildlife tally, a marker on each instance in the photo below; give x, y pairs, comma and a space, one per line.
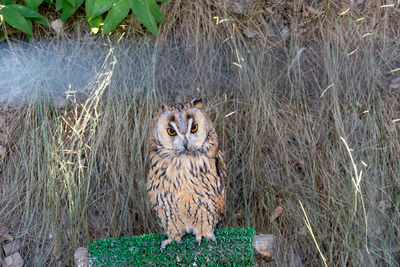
14, 260
285, 31
394, 84
296, 260
4, 233
57, 25
4, 230
60, 102
250, 33
11, 247
81, 257
2, 154
236, 6
82, 163
311, 12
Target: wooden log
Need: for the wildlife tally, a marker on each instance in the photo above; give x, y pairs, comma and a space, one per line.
81, 257
264, 248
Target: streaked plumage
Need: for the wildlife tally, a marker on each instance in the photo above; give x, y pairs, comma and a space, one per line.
186, 180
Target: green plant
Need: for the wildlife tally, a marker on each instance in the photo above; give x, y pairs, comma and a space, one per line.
21, 16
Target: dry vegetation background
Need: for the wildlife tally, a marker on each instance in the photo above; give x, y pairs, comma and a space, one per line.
289, 84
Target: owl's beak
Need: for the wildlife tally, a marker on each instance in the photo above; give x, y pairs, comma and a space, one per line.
185, 143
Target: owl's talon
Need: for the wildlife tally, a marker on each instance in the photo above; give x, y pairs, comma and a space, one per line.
198, 241
164, 244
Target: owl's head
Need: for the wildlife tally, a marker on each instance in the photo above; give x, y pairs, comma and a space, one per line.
183, 128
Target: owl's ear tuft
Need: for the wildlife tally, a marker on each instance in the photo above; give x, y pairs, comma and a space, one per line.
197, 103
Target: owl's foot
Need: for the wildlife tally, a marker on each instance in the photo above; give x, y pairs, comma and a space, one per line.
169, 240
165, 243
178, 242
198, 240
211, 237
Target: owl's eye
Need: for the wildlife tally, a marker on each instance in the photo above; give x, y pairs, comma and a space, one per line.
171, 131
194, 128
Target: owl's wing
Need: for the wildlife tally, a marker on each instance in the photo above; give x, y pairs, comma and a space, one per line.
220, 166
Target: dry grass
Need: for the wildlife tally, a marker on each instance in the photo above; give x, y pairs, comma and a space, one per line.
77, 173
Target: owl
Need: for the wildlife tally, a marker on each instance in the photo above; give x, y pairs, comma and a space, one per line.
186, 180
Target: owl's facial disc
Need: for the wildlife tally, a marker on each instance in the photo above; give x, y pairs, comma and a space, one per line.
183, 141
181, 130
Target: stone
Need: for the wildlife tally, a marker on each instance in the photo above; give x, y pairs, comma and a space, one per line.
14, 260
250, 33
395, 84
236, 6
11, 247
57, 25
81, 257
60, 102
311, 12
4, 232
2, 154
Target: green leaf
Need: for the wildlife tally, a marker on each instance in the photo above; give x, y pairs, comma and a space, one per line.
59, 4
155, 10
162, 1
95, 8
117, 13
7, 2
34, 4
88, 8
31, 14
144, 13
15, 19
94, 24
73, 3
68, 9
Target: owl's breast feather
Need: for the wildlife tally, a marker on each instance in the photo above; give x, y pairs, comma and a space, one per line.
186, 177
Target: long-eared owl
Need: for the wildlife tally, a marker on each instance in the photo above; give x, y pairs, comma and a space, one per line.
186, 180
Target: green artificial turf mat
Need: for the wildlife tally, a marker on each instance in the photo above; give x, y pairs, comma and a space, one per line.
234, 247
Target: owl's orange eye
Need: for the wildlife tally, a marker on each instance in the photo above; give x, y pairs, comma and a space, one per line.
194, 128
171, 132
